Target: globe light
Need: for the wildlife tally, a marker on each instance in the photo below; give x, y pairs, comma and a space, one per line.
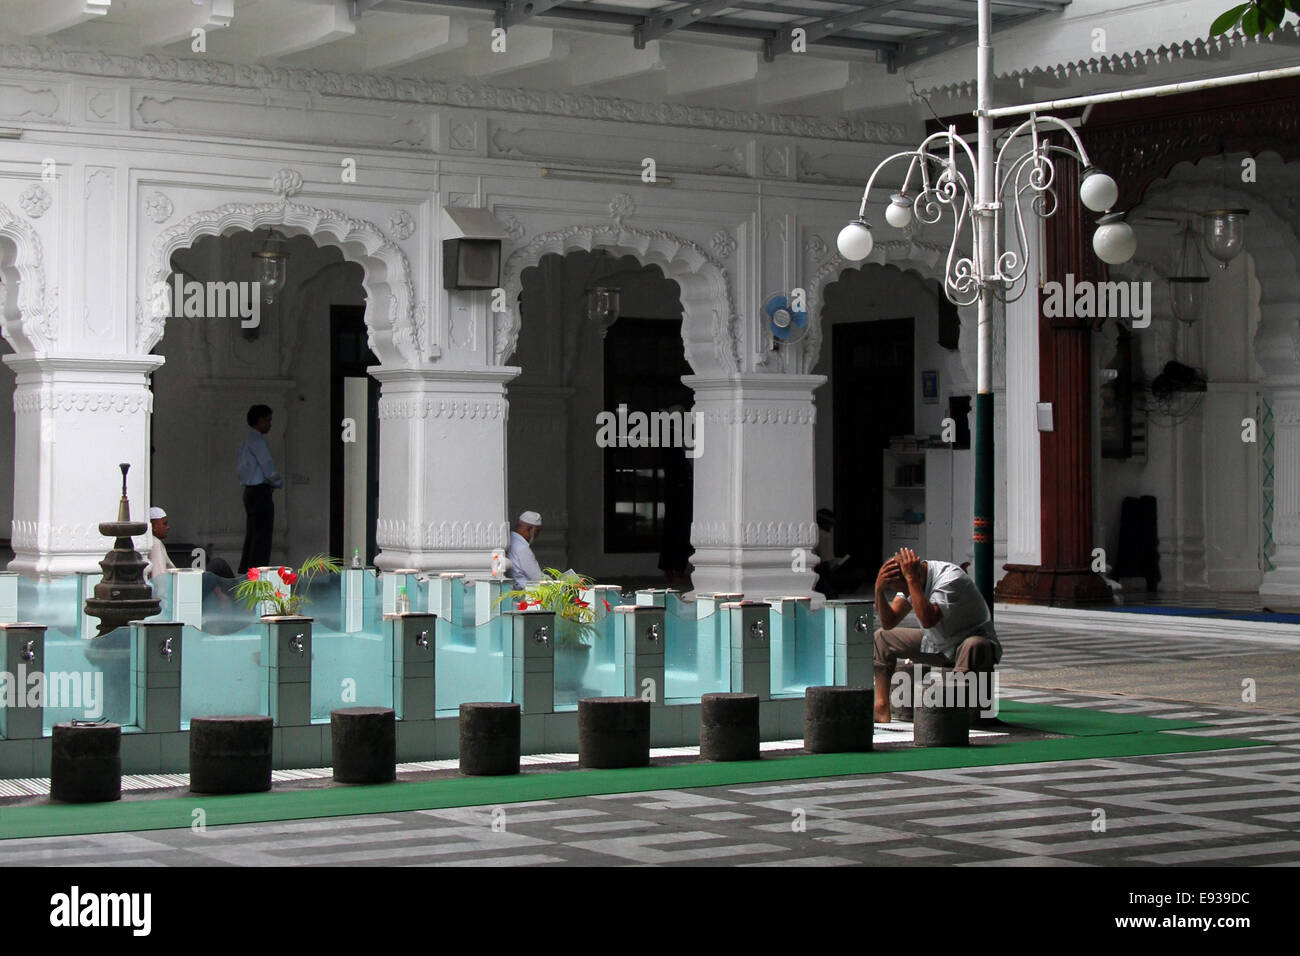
899, 211
855, 240
1189, 279
1225, 233
1097, 191
270, 258
1114, 241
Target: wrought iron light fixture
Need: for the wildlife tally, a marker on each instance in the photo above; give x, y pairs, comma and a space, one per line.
270, 259
1188, 281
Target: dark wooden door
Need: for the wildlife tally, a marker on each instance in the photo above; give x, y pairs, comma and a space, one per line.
873, 399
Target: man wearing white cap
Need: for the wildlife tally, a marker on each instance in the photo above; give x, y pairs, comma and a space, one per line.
523, 566
158, 560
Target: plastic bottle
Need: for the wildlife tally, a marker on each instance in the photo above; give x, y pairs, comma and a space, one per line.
403, 602
356, 557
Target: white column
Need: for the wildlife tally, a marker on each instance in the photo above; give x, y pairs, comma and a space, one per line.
754, 488
1283, 582
76, 417
442, 467
1023, 464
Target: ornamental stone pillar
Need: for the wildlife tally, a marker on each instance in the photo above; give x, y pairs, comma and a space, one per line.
76, 417
754, 526
442, 467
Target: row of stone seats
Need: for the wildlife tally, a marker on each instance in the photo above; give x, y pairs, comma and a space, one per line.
233, 754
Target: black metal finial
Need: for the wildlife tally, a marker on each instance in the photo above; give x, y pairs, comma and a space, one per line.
125, 468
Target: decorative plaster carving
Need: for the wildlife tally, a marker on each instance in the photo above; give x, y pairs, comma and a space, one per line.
815, 249
411, 408
724, 244
158, 207
776, 161
761, 415
401, 225
101, 105
462, 136
130, 403
462, 199
360, 241
286, 182
29, 535
776, 534
703, 280
35, 200
774, 228
513, 227
398, 534
37, 326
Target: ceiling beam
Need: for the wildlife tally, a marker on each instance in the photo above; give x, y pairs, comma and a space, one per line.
181, 20
314, 27
432, 36
53, 16
515, 12
661, 24
525, 48
612, 61
913, 51
782, 41
694, 71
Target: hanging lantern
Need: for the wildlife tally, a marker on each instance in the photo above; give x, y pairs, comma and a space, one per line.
602, 305
1189, 279
1225, 233
270, 258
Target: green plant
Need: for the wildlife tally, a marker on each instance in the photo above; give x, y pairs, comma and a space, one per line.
1255, 18
561, 593
256, 591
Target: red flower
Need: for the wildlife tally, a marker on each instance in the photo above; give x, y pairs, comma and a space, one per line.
283, 571
290, 577
522, 605
606, 604
252, 574
581, 603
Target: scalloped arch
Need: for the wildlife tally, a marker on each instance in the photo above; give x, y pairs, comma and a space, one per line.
711, 330
28, 318
393, 331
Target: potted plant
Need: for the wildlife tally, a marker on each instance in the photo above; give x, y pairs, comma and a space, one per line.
561, 593
257, 592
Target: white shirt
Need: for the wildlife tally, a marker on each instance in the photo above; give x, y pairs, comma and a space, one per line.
254, 462
951, 590
523, 566
158, 560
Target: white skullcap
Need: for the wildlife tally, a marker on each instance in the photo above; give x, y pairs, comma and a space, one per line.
155, 513
531, 517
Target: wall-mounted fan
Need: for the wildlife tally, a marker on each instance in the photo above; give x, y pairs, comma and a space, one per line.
787, 324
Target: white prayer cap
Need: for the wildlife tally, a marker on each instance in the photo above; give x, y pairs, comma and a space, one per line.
531, 517
155, 513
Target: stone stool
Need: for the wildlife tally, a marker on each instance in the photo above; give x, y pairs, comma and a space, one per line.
729, 727
230, 754
489, 739
908, 667
838, 719
613, 732
364, 744
86, 763
945, 724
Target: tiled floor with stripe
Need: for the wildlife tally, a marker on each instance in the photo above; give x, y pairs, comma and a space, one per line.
1235, 807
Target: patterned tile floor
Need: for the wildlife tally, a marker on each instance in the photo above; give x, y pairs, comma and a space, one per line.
1236, 807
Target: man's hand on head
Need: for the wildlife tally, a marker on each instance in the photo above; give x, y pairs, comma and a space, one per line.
889, 574
910, 566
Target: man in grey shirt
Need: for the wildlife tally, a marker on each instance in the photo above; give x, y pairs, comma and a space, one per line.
956, 627
258, 477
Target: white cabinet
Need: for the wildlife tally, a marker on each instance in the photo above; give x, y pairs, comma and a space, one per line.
938, 484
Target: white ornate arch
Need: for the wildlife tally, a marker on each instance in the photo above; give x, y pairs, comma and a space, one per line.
918, 257
711, 330
394, 331
28, 311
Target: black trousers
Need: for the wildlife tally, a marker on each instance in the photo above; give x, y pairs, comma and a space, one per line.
259, 509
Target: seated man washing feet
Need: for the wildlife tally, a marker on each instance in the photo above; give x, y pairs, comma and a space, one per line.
956, 627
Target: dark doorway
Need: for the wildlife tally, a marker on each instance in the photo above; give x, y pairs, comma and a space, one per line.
648, 491
350, 356
873, 399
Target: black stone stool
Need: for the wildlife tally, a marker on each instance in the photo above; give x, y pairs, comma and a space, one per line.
838, 719
729, 727
364, 744
903, 711
945, 723
489, 739
230, 754
613, 732
86, 763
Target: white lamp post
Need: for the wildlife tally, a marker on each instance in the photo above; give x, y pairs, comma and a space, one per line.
935, 169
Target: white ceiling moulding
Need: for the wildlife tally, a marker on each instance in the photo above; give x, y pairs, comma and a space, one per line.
215, 74
601, 176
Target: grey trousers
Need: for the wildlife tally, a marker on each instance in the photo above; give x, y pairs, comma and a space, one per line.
973, 654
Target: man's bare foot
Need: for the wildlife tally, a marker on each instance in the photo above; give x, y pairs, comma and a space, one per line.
883, 718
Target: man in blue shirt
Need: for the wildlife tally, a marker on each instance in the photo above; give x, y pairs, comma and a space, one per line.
258, 476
